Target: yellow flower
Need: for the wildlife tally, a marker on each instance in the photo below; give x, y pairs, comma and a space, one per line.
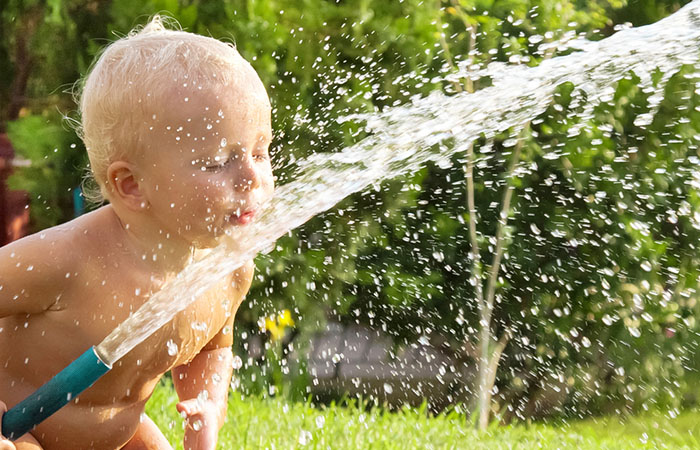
276, 332
285, 319
276, 324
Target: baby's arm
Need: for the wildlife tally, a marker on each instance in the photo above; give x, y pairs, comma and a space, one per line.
32, 278
202, 386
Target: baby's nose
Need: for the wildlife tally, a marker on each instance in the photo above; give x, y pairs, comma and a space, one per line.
246, 176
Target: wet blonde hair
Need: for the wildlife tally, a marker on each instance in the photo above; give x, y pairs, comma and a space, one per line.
130, 79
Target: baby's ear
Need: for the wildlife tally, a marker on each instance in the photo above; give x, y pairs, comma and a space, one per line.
124, 185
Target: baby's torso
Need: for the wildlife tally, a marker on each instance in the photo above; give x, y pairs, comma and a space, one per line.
94, 300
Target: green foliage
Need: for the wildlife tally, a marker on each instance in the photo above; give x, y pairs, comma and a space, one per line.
55, 161
606, 248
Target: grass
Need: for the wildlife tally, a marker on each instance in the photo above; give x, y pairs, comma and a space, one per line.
256, 423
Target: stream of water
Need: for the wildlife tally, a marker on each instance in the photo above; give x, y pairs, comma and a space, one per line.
403, 139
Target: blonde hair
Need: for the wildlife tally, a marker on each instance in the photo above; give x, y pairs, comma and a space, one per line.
132, 76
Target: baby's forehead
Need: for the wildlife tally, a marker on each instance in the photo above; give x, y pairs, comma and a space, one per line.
182, 97
205, 97
200, 119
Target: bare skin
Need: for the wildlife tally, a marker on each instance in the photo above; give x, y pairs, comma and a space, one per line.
64, 289
37, 344
5, 444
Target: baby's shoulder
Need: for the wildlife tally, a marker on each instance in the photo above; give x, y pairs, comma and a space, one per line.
38, 270
34, 270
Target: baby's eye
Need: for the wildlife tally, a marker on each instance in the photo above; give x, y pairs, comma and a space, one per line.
261, 157
213, 166
216, 167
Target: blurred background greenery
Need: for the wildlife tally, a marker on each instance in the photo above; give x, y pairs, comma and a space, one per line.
598, 286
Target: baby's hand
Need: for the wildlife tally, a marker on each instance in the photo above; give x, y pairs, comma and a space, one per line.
5, 444
202, 420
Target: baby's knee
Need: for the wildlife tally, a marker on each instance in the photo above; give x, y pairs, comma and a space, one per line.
148, 437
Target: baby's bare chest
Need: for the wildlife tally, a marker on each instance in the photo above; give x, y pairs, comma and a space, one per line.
175, 343
182, 337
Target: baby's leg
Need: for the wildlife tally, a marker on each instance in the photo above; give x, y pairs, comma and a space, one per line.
27, 442
148, 437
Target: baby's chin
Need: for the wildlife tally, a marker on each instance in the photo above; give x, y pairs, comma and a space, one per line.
230, 238
227, 235
209, 239
237, 240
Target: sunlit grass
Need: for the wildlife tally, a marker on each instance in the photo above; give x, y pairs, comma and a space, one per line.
255, 423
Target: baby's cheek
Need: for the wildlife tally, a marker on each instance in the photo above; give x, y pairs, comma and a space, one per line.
269, 187
214, 198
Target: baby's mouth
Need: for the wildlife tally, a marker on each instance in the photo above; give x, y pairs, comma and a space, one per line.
242, 217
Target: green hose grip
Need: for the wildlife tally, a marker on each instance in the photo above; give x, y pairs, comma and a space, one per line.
52, 396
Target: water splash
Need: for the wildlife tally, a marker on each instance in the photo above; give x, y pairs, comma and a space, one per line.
405, 138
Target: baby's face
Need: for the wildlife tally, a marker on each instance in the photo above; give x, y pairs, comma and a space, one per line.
208, 167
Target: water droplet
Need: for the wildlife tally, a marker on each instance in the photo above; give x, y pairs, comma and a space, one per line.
197, 425
172, 347
388, 388
304, 437
534, 229
223, 142
320, 421
634, 331
585, 342
646, 266
237, 362
209, 126
199, 326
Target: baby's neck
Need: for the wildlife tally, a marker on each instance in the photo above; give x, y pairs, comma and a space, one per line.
162, 254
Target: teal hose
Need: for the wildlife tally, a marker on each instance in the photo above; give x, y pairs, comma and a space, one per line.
52, 396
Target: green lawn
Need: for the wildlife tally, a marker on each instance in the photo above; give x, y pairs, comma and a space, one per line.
270, 423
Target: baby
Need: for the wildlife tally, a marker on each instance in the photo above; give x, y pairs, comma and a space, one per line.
177, 129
